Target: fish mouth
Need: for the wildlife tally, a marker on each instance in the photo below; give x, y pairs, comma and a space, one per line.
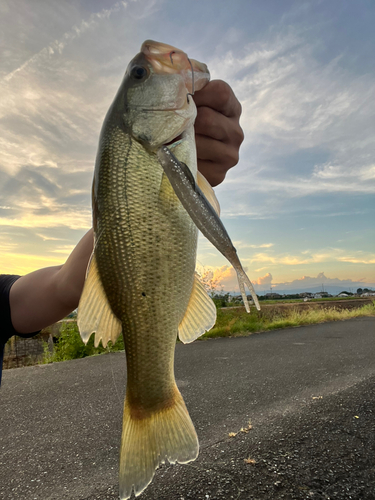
178, 138
166, 59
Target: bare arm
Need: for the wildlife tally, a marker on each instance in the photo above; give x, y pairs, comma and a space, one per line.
48, 295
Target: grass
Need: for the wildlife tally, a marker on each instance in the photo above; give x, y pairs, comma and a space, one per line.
237, 322
230, 323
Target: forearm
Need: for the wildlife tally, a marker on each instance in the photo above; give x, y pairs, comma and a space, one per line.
48, 295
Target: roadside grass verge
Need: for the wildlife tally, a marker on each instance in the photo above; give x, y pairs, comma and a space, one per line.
236, 322
230, 323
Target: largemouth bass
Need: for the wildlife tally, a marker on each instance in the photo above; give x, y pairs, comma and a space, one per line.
141, 279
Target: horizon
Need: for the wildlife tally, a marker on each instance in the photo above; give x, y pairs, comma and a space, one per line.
299, 206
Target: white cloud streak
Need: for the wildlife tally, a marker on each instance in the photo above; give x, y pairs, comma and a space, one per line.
292, 102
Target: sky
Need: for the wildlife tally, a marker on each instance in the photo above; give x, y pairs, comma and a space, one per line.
299, 206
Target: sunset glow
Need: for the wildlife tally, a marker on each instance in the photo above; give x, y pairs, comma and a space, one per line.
299, 206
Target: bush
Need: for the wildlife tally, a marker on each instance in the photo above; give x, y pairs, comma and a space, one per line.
69, 345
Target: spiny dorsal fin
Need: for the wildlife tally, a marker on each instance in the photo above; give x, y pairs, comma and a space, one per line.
200, 315
94, 312
209, 193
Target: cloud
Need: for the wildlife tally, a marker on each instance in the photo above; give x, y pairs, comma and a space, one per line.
42, 198
293, 105
265, 280
225, 277
361, 258
314, 257
319, 280
336, 172
57, 46
242, 245
219, 278
16, 263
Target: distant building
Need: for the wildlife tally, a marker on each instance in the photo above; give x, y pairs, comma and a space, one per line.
272, 295
321, 295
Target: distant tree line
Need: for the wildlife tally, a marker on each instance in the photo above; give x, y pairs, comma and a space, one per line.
363, 290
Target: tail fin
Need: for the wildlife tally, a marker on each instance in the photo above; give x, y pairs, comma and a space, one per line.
167, 434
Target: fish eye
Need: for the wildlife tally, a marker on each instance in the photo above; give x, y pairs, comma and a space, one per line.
139, 72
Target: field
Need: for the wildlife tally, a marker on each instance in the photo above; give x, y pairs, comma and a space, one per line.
234, 321
62, 341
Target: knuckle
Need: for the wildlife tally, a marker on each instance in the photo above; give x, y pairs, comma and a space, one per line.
230, 158
218, 178
205, 118
226, 95
239, 136
239, 107
224, 90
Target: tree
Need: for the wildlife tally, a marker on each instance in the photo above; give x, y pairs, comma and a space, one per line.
359, 291
211, 284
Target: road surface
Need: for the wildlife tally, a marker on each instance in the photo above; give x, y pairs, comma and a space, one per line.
308, 392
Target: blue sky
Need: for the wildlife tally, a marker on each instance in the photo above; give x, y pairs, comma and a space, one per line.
300, 204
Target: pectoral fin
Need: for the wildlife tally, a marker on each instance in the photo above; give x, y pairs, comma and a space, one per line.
200, 315
94, 312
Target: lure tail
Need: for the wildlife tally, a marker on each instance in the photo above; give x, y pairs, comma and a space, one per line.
149, 440
243, 280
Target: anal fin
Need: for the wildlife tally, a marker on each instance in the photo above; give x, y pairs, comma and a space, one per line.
94, 312
200, 315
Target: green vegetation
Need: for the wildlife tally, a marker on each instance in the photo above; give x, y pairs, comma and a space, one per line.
69, 345
234, 322
230, 322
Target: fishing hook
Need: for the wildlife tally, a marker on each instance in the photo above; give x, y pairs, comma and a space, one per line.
192, 75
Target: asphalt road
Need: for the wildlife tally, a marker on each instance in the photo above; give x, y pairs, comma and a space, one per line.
308, 392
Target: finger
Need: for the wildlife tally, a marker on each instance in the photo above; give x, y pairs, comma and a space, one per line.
213, 124
216, 151
215, 174
219, 96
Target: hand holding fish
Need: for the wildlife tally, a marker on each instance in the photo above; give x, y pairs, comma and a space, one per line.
218, 134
